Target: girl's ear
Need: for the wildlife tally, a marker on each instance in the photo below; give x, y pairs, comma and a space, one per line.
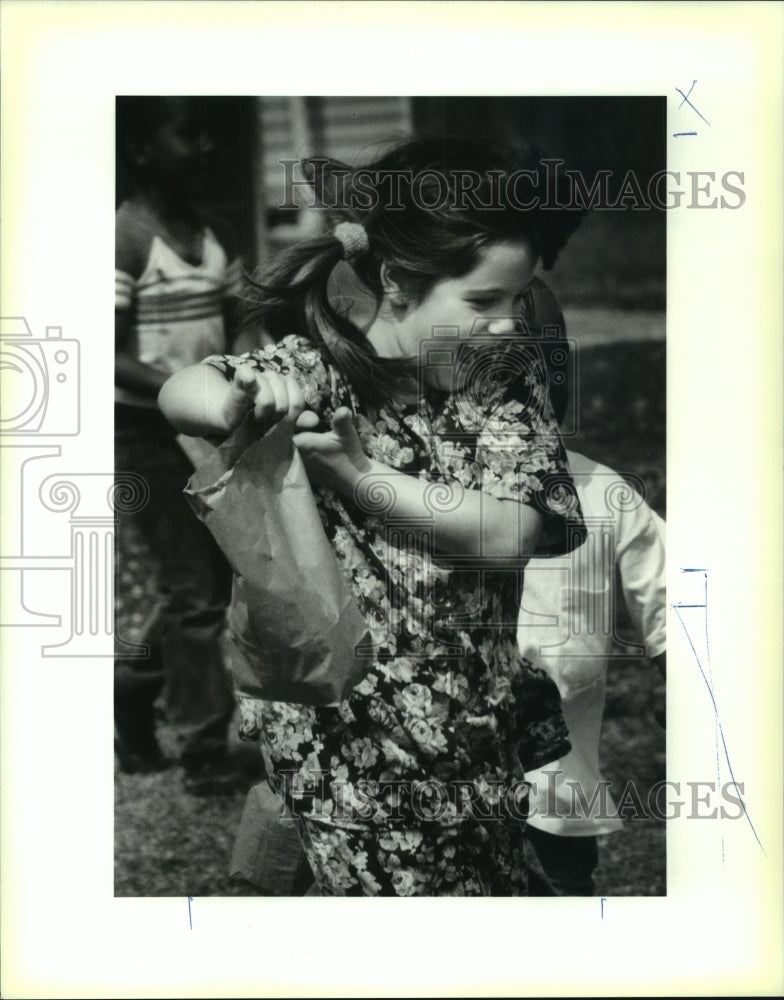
331, 181
391, 288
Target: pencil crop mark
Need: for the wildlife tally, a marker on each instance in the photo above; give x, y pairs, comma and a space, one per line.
703, 663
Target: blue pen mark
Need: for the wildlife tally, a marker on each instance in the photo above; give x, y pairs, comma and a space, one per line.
676, 134
709, 684
190, 917
687, 101
602, 901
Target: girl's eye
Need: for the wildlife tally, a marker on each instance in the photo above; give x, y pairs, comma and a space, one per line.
481, 303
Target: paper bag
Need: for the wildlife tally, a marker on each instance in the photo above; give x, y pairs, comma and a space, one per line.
293, 622
267, 850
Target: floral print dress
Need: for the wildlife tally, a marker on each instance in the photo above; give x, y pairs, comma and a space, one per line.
414, 786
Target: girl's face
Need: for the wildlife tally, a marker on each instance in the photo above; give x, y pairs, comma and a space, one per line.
484, 304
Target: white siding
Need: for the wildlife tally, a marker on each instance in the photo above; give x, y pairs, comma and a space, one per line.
344, 128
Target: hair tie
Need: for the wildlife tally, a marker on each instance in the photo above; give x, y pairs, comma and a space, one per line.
353, 237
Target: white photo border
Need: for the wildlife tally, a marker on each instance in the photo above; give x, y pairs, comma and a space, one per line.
719, 928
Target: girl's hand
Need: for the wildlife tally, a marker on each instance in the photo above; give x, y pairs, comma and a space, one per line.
271, 396
334, 458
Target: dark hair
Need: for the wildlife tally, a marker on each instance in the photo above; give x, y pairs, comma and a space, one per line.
137, 120
429, 229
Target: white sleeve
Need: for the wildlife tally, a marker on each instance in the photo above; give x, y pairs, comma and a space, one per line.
640, 558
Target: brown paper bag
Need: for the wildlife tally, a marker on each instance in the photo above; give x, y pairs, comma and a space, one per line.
293, 622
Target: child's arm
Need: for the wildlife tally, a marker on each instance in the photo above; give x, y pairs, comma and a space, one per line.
240, 338
129, 372
131, 246
199, 402
469, 522
640, 557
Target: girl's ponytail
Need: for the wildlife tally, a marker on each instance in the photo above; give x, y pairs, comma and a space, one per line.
291, 297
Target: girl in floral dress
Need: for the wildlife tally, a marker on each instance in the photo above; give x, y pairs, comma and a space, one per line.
437, 468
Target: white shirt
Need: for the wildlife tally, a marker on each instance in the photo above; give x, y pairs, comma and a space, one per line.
566, 627
177, 307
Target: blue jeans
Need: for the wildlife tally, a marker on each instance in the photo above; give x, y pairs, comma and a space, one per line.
185, 638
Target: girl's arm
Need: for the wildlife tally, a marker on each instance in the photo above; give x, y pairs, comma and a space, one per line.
193, 401
465, 522
470, 523
199, 402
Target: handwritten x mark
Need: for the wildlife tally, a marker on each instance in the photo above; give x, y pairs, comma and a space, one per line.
687, 101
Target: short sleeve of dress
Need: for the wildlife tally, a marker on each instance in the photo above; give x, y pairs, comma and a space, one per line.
520, 456
294, 356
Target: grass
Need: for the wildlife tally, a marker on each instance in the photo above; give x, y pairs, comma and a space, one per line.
168, 843
620, 398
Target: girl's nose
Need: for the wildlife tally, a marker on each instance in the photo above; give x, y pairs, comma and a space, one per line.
502, 327
206, 144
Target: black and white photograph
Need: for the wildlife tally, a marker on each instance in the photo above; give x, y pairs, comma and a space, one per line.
219, 198
446, 349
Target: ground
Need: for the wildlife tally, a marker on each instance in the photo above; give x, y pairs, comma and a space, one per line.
169, 843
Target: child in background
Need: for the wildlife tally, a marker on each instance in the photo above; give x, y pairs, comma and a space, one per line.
566, 627
176, 277
447, 702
